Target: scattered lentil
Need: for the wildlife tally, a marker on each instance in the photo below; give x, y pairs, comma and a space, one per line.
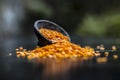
18, 56
98, 47
102, 48
106, 54
115, 56
97, 53
114, 48
17, 49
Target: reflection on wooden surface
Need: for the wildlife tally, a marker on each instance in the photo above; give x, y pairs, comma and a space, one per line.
57, 69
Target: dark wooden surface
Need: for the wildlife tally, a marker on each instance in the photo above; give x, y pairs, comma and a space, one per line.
12, 68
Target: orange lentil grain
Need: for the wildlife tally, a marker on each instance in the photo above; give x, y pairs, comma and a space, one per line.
106, 54
114, 48
115, 56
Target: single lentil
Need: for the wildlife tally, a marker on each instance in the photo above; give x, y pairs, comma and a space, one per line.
115, 56
17, 49
114, 48
102, 48
97, 53
98, 47
106, 54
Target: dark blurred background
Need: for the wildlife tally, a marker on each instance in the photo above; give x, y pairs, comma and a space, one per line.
81, 18
89, 22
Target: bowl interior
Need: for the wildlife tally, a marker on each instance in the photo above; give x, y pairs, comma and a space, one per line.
51, 25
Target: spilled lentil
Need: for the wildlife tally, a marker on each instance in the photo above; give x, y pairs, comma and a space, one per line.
61, 48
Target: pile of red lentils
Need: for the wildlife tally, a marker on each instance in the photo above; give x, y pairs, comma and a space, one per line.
61, 47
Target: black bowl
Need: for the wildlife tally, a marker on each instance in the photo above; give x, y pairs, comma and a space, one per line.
42, 41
